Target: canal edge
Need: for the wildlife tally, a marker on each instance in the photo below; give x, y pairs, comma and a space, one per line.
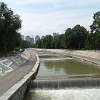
21, 86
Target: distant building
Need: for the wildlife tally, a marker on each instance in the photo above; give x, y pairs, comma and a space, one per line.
55, 34
28, 38
37, 38
32, 40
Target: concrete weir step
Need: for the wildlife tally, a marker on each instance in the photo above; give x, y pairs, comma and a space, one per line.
59, 77
68, 83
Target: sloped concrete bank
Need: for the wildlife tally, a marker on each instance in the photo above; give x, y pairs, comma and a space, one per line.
9, 64
89, 56
15, 84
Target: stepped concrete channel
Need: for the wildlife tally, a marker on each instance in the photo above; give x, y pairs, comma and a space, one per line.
65, 83
88, 56
16, 73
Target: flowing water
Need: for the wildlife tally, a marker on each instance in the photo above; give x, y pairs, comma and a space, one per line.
65, 94
58, 68
65, 67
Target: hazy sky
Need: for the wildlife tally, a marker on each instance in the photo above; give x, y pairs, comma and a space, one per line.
41, 17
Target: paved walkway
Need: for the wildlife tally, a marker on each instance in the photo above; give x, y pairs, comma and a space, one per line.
7, 81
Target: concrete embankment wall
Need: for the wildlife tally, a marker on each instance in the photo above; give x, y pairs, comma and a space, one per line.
25, 55
11, 63
86, 53
90, 56
17, 92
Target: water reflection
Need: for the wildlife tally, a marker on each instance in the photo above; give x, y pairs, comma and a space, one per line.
72, 67
55, 66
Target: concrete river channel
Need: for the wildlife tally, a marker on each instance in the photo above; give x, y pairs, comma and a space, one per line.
50, 82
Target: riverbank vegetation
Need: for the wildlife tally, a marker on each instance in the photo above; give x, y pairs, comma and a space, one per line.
10, 23
77, 37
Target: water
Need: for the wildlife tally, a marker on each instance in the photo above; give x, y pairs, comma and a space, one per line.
65, 94
65, 83
65, 67
52, 73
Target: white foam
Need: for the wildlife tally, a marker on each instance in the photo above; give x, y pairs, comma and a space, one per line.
55, 59
68, 94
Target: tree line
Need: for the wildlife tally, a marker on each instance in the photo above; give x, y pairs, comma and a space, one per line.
10, 38
77, 37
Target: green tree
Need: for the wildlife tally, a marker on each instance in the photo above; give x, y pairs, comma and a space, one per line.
56, 42
39, 43
75, 37
68, 33
95, 27
9, 26
62, 41
18, 40
93, 40
80, 36
26, 44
